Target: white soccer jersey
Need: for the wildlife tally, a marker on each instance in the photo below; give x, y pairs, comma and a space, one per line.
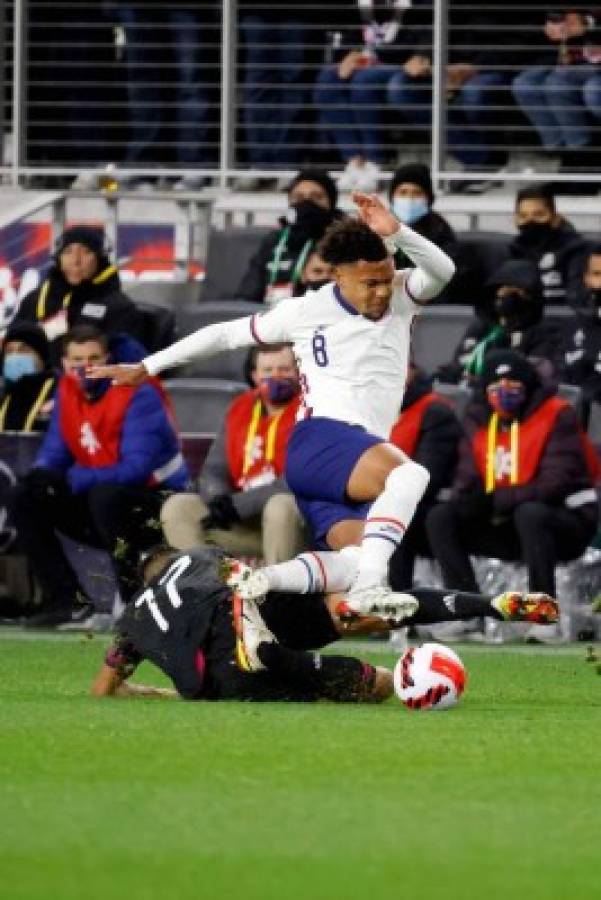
352, 368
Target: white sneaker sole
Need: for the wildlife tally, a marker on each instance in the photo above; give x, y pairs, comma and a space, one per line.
382, 602
254, 587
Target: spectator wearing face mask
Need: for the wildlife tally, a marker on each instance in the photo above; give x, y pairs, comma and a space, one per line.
551, 242
411, 197
29, 380
580, 358
276, 268
244, 504
512, 317
100, 476
523, 488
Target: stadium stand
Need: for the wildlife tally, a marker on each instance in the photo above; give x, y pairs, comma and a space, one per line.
194, 316
200, 403
228, 255
594, 424
436, 333
159, 325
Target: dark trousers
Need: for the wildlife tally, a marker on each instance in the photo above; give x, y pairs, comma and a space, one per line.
537, 534
414, 543
121, 519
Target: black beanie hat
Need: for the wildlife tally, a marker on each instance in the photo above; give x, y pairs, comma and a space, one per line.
318, 177
509, 364
413, 173
32, 335
92, 238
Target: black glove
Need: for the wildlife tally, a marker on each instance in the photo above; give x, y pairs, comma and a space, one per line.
46, 481
222, 513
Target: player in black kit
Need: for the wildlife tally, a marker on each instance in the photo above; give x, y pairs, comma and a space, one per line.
198, 623
214, 646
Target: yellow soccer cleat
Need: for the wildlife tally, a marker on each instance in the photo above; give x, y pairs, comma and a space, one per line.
515, 606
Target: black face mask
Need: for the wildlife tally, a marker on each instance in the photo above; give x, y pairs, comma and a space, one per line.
511, 305
299, 289
535, 233
310, 219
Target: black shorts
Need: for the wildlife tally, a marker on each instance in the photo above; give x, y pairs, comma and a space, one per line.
299, 621
225, 681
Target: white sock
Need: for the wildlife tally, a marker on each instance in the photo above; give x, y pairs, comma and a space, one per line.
388, 519
317, 571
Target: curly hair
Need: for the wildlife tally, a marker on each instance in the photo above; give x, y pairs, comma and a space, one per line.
350, 240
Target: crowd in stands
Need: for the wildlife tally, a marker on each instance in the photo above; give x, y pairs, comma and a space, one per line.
513, 476
348, 84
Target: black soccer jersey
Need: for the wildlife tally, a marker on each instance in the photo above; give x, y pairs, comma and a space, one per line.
169, 621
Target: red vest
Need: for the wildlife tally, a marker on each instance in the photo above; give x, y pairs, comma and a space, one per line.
533, 434
92, 431
405, 433
255, 442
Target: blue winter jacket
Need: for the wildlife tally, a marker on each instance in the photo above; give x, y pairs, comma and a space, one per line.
148, 444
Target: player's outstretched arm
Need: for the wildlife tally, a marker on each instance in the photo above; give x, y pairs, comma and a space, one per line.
125, 374
107, 682
206, 341
434, 269
111, 682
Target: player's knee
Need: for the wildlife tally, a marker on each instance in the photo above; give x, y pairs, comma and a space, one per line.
407, 473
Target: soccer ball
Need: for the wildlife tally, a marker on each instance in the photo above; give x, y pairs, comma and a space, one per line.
429, 677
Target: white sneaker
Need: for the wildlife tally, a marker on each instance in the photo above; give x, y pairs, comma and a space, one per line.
251, 631
367, 178
247, 183
254, 587
191, 183
98, 623
86, 181
237, 572
544, 634
359, 175
381, 600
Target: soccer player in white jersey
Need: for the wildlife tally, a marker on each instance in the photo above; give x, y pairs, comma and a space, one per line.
351, 340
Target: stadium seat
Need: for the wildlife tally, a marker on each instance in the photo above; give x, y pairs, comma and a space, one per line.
229, 252
436, 333
223, 365
594, 424
573, 394
159, 326
480, 254
200, 403
162, 293
457, 394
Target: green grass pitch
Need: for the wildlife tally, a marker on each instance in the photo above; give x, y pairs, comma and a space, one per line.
497, 798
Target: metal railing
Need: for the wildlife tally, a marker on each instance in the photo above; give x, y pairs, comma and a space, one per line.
227, 88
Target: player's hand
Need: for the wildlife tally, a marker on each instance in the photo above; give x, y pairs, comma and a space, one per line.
349, 64
131, 374
373, 212
418, 66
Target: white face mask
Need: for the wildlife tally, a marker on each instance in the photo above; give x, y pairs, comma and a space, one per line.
409, 209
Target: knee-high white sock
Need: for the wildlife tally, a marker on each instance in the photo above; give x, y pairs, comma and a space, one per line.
388, 519
316, 571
